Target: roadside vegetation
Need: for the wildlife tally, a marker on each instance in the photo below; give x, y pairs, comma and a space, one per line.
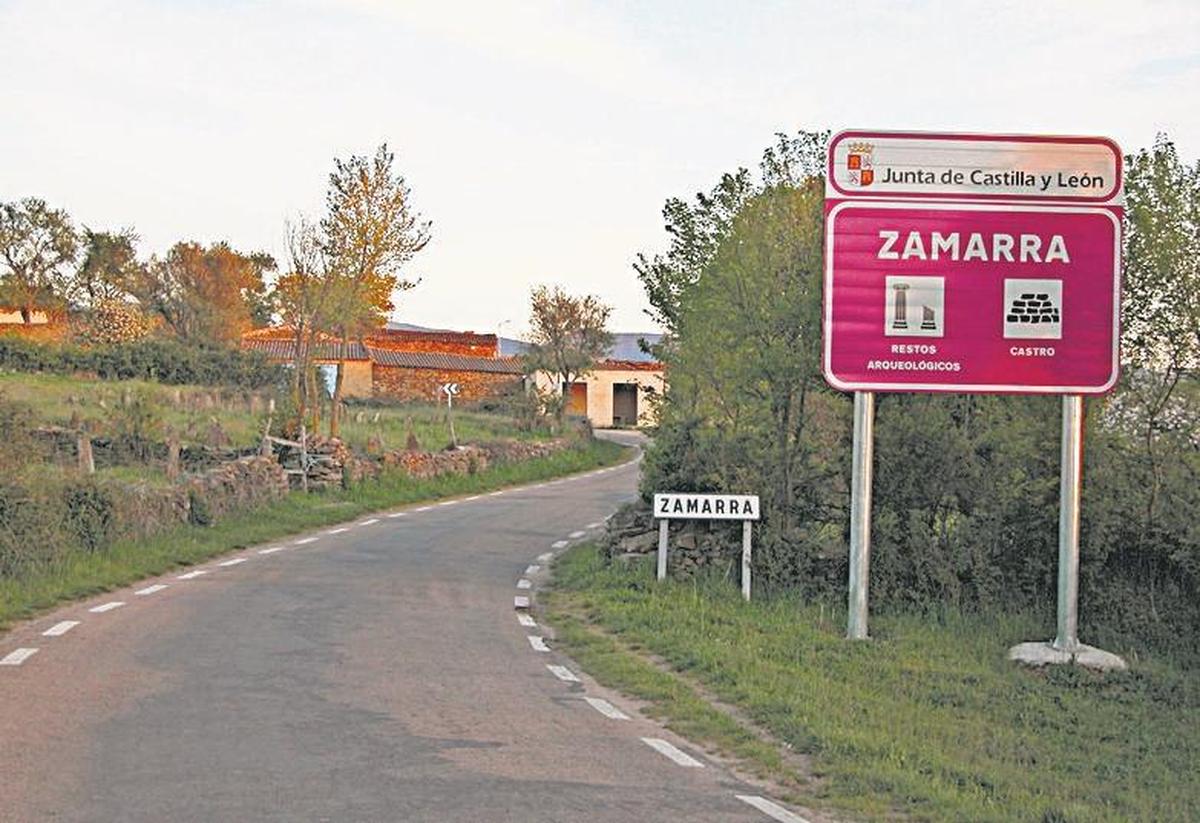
81, 573
928, 720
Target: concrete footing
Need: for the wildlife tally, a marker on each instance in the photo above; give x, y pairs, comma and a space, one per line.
1047, 654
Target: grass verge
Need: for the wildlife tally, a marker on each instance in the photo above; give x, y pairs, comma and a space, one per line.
927, 720
124, 563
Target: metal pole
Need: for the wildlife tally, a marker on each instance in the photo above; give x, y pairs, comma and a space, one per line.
662, 549
746, 560
1068, 523
860, 513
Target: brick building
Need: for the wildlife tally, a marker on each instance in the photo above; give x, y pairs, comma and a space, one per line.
401, 364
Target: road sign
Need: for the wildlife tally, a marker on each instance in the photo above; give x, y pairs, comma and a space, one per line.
685, 506
450, 389
971, 297
972, 263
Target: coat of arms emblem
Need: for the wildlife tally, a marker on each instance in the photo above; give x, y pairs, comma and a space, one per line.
860, 164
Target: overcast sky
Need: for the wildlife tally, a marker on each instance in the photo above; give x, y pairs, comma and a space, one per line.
541, 138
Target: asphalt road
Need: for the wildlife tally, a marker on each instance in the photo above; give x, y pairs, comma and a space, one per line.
378, 673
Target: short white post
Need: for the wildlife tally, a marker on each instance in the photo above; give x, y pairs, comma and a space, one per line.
662, 549
746, 560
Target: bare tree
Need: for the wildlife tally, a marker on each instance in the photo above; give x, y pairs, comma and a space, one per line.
370, 232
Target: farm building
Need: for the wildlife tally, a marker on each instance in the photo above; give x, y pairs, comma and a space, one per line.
401, 364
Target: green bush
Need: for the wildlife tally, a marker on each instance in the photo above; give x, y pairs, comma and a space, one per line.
89, 515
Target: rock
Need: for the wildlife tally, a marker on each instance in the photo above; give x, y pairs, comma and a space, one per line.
1046, 654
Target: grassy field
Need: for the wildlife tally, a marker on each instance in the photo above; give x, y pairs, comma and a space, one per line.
927, 721
56, 398
86, 574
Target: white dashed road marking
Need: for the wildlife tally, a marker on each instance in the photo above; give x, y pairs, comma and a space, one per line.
235, 561
523, 584
272, 550
370, 522
397, 514
559, 544
157, 587
107, 607
423, 509
520, 602
667, 750
526, 620
773, 809
496, 494
546, 557
17, 657
593, 525
305, 541
538, 643
605, 708
532, 568
447, 503
191, 575
338, 531
59, 629
473, 497
563, 673
576, 535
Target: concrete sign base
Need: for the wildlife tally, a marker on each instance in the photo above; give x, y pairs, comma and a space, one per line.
1046, 654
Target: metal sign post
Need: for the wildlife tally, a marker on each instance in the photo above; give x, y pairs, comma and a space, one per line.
1067, 638
744, 507
860, 513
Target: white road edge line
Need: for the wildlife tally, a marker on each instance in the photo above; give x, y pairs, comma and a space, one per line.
423, 509
524, 584
576, 535
526, 620
545, 557
594, 525
605, 708
520, 602
538, 643
338, 531
59, 629
532, 568
272, 550
305, 541
472, 497
772, 809
394, 515
559, 544
191, 575
669, 751
370, 522
496, 494
16, 658
563, 673
447, 503
107, 607
157, 587
235, 561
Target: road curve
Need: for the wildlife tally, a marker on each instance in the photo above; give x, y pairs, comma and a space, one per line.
376, 673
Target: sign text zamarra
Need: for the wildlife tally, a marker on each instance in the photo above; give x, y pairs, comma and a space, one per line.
706, 506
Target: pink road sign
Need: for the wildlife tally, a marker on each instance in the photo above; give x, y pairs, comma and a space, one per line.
970, 296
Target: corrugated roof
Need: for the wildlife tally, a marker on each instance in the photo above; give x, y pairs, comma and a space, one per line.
285, 349
444, 362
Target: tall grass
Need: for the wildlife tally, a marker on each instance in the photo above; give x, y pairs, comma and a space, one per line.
928, 718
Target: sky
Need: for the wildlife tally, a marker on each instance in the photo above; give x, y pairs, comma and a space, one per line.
541, 138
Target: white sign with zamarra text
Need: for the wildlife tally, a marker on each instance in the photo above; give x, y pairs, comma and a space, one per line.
670, 505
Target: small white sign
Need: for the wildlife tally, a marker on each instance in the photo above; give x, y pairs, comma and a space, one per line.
670, 506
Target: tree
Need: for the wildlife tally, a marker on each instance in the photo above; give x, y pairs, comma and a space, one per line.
109, 266
568, 335
37, 243
201, 294
369, 233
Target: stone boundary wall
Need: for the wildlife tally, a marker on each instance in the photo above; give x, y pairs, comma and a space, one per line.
691, 544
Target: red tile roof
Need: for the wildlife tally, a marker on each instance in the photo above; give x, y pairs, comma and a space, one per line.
444, 362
